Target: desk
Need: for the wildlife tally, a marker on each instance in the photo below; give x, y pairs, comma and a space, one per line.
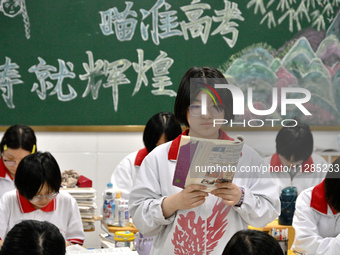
275, 224
329, 156
131, 228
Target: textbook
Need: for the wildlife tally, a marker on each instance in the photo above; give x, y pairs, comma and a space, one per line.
206, 161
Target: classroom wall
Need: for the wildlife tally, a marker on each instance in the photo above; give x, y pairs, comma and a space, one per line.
95, 155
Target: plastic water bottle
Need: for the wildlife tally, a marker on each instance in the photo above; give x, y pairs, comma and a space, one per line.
109, 205
117, 202
123, 213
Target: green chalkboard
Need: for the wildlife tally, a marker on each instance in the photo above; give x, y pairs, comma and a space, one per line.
106, 62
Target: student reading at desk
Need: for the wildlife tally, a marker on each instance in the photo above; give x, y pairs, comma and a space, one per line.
190, 220
17, 142
316, 219
294, 147
160, 128
37, 196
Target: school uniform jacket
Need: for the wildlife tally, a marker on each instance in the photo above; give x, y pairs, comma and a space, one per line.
304, 178
6, 181
62, 211
205, 229
125, 172
316, 224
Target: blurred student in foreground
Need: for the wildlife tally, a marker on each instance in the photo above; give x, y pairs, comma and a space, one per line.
252, 242
32, 237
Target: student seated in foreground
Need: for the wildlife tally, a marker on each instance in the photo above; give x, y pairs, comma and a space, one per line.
32, 237
294, 147
37, 196
252, 242
316, 218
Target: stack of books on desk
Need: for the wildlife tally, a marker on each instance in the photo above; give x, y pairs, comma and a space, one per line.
86, 200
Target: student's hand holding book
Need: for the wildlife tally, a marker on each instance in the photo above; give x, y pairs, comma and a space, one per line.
229, 192
190, 197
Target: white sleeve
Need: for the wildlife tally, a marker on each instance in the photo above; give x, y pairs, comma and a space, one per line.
307, 238
145, 204
123, 175
4, 212
261, 204
75, 232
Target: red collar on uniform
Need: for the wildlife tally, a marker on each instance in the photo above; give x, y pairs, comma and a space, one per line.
26, 207
3, 170
175, 143
276, 162
141, 154
318, 200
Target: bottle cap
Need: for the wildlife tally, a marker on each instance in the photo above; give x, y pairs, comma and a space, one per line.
109, 185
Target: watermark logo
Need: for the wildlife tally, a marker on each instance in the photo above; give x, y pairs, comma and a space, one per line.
204, 97
239, 103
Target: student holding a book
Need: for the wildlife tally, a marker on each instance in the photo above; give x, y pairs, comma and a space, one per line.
190, 220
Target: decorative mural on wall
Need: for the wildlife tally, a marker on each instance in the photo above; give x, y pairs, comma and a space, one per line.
311, 60
102, 62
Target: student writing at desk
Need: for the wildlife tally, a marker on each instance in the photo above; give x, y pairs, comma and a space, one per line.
37, 196
17, 142
316, 219
160, 128
190, 220
294, 147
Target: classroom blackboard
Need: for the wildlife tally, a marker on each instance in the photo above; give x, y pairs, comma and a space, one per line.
106, 62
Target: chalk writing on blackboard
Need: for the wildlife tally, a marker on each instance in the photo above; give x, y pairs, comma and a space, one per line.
295, 13
165, 25
95, 73
12, 8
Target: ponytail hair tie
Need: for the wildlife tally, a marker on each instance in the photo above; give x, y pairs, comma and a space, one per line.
33, 149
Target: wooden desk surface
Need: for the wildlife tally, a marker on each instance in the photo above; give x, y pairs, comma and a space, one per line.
131, 228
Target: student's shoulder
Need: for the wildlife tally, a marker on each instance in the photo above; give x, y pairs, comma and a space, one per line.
65, 196
305, 196
160, 150
248, 151
318, 158
10, 194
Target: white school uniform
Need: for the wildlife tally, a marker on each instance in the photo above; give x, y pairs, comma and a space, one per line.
62, 211
205, 229
316, 224
304, 178
125, 172
6, 181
